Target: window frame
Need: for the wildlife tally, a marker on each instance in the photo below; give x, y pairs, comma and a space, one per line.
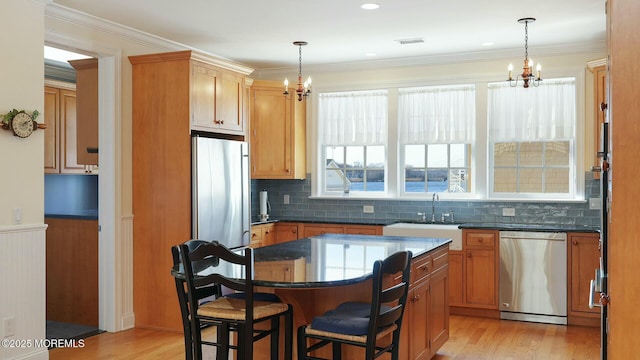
480, 157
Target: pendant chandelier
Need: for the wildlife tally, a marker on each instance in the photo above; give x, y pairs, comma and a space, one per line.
302, 89
527, 75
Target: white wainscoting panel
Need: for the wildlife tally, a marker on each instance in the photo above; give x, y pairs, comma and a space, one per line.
23, 287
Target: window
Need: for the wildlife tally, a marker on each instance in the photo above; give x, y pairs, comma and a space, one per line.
532, 139
353, 138
436, 128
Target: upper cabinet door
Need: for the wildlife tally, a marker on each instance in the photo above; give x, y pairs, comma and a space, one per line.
217, 99
229, 101
51, 136
87, 110
278, 133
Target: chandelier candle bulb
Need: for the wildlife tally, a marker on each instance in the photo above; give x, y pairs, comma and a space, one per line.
510, 68
286, 85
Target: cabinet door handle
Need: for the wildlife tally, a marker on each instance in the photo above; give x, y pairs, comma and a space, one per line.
575, 242
468, 254
294, 230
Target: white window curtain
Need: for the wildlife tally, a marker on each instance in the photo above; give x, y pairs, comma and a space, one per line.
437, 115
353, 118
543, 113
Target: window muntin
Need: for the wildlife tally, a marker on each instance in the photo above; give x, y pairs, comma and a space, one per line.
363, 169
532, 167
447, 168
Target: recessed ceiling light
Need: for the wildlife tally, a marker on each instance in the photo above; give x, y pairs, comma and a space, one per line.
370, 6
488, 43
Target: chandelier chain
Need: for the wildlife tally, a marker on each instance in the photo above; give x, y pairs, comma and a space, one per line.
300, 60
526, 40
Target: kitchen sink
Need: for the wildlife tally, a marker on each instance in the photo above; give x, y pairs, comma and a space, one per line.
423, 229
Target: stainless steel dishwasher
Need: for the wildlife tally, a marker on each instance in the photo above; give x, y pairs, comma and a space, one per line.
533, 276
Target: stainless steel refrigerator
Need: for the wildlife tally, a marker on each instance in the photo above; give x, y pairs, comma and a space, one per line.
221, 199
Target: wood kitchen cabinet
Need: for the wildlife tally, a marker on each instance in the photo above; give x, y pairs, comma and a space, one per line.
278, 133
263, 235
162, 94
426, 316
87, 110
455, 278
583, 260
363, 229
217, 99
72, 270
286, 232
319, 229
60, 147
474, 274
480, 268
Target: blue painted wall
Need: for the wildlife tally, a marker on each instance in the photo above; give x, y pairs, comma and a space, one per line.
70, 194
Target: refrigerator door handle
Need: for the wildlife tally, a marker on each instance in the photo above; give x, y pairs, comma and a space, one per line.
592, 290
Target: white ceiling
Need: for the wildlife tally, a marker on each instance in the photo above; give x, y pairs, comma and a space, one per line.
260, 33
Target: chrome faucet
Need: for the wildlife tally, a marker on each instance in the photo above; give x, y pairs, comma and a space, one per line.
434, 199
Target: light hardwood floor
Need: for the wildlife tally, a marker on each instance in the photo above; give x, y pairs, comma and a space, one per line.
470, 338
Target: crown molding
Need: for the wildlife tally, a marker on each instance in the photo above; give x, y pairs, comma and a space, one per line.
591, 65
65, 14
439, 59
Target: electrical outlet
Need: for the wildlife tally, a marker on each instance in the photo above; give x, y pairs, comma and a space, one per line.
595, 203
367, 209
286, 199
508, 212
9, 326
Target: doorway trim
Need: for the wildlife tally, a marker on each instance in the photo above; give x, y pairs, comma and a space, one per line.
115, 236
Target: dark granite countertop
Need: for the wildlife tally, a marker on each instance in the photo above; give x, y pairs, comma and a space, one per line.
325, 258
80, 215
461, 225
531, 227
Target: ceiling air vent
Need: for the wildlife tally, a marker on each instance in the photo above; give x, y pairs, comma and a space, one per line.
410, 41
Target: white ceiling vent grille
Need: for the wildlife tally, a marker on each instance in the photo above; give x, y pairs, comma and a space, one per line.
410, 41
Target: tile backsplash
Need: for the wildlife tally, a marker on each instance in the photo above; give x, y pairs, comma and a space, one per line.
302, 208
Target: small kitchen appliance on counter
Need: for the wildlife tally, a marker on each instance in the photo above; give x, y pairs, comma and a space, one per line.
264, 206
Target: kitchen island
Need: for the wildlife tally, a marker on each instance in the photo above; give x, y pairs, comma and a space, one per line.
316, 274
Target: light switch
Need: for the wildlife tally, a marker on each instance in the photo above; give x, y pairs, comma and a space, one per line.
17, 216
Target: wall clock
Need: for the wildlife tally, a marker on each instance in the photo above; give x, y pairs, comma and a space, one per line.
21, 123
